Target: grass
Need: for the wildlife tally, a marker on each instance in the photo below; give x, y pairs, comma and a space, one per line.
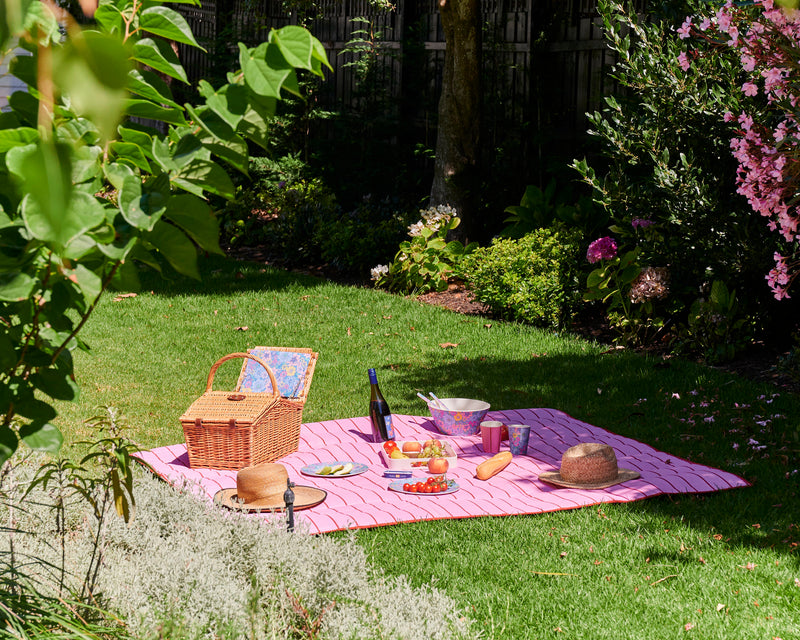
721, 565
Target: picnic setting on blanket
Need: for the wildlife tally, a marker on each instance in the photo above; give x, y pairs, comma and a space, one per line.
248, 450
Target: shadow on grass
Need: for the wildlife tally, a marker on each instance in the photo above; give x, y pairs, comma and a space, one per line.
222, 275
649, 401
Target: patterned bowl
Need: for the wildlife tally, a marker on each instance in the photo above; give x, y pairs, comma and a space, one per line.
461, 418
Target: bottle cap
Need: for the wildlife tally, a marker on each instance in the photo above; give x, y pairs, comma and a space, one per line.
373, 377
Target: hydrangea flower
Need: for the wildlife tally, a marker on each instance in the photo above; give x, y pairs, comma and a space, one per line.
378, 272
602, 249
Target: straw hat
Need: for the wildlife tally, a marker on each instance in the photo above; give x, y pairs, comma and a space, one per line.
589, 465
261, 488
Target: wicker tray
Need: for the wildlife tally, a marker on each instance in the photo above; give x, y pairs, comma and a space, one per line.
237, 429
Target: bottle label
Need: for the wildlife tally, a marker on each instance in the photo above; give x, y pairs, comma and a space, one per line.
389, 428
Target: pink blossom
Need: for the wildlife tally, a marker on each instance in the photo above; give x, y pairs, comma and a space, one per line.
685, 29
683, 61
602, 249
749, 89
641, 223
705, 24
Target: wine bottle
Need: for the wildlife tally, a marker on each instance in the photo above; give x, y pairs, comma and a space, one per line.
379, 412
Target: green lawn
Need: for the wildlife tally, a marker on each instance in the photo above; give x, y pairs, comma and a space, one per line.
721, 565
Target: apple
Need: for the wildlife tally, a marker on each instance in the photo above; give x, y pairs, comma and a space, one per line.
432, 443
438, 465
412, 447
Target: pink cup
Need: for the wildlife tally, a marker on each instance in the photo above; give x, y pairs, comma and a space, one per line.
491, 432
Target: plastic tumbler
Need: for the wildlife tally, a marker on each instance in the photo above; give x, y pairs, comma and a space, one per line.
518, 435
491, 432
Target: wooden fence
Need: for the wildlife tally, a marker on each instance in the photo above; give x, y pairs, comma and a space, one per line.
545, 61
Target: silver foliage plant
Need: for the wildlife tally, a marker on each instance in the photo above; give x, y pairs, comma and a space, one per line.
185, 569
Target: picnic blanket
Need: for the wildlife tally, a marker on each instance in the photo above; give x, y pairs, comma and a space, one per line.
364, 500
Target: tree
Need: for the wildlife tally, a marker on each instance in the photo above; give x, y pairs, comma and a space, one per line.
86, 193
456, 172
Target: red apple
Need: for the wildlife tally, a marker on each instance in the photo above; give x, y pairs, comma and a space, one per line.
438, 465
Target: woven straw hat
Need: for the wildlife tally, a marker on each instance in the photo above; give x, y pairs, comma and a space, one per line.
261, 488
589, 465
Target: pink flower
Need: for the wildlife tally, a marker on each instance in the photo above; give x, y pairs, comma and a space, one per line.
602, 249
749, 89
641, 223
685, 29
683, 61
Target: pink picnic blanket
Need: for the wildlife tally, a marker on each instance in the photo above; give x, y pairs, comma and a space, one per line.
364, 500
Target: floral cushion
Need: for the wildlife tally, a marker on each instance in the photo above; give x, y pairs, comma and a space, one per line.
288, 367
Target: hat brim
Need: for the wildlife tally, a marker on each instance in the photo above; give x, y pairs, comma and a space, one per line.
623, 475
304, 498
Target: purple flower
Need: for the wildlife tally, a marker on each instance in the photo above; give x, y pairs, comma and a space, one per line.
602, 249
641, 223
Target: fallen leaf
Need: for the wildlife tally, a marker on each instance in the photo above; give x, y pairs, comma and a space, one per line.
387, 317
241, 328
688, 626
122, 296
448, 345
720, 607
750, 566
701, 560
348, 332
596, 562
487, 326
756, 526
563, 554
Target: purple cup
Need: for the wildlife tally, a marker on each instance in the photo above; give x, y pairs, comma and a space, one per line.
491, 432
518, 435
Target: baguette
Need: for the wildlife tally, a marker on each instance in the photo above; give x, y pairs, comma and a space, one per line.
493, 465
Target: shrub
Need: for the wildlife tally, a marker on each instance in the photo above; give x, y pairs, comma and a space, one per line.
186, 568
534, 279
666, 161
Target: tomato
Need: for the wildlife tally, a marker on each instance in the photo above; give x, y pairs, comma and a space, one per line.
429, 488
389, 446
443, 486
406, 487
435, 488
419, 487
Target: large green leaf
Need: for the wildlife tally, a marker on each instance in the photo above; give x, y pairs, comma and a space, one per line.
207, 176
15, 286
12, 17
132, 154
176, 248
295, 43
92, 70
109, 18
135, 136
229, 103
167, 23
149, 85
10, 138
265, 69
42, 437
158, 55
195, 217
57, 383
140, 208
8, 440
82, 213
45, 171
147, 109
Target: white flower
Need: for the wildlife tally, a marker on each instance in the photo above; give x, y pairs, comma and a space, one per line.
416, 228
376, 273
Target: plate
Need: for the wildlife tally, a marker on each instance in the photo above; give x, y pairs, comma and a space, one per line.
314, 469
397, 485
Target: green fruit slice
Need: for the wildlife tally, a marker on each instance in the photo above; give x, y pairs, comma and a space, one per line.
326, 470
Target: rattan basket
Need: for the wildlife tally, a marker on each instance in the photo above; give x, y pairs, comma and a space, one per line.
237, 429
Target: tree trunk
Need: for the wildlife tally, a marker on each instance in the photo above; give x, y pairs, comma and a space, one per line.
456, 178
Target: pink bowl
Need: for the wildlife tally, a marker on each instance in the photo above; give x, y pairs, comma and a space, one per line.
461, 418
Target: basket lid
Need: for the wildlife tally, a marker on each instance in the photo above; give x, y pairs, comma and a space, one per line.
224, 406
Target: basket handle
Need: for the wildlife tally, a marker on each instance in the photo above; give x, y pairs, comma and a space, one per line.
231, 356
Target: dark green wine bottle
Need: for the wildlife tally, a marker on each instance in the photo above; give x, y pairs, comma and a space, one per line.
379, 412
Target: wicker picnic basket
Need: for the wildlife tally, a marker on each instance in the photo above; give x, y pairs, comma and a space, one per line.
241, 428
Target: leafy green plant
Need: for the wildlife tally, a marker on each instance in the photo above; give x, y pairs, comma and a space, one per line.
533, 279
87, 193
542, 208
428, 260
716, 327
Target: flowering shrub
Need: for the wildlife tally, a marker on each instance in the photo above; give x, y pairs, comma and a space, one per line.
427, 261
768, 46
602, 249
